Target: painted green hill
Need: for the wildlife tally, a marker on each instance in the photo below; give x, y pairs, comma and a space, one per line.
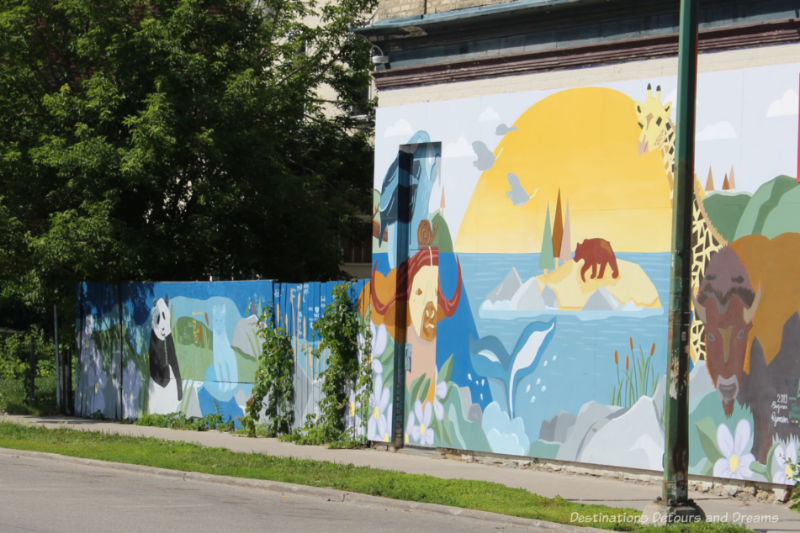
784, 216
772, 210
725, 210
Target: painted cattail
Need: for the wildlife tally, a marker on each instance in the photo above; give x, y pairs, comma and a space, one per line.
630, 341
627, 363
652, 349
616, 358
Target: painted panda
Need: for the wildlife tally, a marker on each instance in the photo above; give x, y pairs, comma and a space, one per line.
162, 347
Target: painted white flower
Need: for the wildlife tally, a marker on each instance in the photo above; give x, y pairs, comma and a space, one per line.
783, 458
131, 387
734, 463
409, 426
380, 339
385, 430
441, 392
422, 433
353, 415
379, 401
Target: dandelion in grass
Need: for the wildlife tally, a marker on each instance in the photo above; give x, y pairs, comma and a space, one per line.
734, 463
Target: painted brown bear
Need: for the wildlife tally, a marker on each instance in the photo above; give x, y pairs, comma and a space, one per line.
596, 252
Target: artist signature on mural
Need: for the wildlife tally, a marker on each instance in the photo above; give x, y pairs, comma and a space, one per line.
781, 403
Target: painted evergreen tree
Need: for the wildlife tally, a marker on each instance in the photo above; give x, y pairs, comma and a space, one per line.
565, 254
558, 229
546, 259
731, 180
709, 181
726, 185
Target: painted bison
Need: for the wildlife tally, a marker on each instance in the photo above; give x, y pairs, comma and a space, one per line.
749, 300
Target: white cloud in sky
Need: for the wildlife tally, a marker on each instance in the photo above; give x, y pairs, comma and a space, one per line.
460, 148
399, 128
488, 115
717, 131
785, 106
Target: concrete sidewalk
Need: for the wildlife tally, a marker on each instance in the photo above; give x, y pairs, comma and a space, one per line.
638, 490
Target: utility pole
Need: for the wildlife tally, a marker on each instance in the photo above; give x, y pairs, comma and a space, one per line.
675, 504
58, 360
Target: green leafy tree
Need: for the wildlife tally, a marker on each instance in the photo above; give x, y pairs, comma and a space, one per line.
176, 139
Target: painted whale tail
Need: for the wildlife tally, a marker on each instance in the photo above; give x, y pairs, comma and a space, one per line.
525, 358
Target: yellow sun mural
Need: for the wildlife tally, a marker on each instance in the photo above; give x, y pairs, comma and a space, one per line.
583, 142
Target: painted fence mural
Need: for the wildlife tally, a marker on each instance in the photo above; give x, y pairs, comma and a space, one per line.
191, 348
521, 262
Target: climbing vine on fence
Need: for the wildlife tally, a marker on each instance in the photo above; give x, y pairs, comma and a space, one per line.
273, 384
339, 329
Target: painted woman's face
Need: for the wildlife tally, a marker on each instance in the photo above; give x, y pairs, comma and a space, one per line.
423, 302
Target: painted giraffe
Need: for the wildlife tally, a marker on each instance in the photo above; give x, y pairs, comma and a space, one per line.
658, 132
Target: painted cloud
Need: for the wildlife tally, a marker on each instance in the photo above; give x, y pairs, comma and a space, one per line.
785, 106
401, 128
459, 148
488, 115
717, 131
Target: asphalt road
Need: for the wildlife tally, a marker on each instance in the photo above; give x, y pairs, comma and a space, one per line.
49, 495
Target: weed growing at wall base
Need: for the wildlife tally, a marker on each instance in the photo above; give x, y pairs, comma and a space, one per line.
181, 421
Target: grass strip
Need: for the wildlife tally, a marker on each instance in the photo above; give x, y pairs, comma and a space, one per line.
190, 457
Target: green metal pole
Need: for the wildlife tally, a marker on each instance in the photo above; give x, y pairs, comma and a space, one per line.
676, 429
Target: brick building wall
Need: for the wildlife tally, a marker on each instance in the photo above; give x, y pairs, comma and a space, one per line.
397, 9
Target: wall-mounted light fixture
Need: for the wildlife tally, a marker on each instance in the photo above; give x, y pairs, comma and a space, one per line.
378, 57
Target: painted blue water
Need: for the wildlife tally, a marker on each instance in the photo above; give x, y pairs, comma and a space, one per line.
578, 364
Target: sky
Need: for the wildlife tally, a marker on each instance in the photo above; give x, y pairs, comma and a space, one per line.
746, 119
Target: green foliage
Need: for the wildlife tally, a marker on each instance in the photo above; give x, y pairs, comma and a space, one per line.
339, 329
363, 389
164, 139
14, 396
638, 378
707, 430
15, 373
181, 421
273, 381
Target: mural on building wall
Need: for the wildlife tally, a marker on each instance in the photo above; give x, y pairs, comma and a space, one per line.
535, 280
191, 348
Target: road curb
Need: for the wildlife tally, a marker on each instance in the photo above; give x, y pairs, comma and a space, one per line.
327, 494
